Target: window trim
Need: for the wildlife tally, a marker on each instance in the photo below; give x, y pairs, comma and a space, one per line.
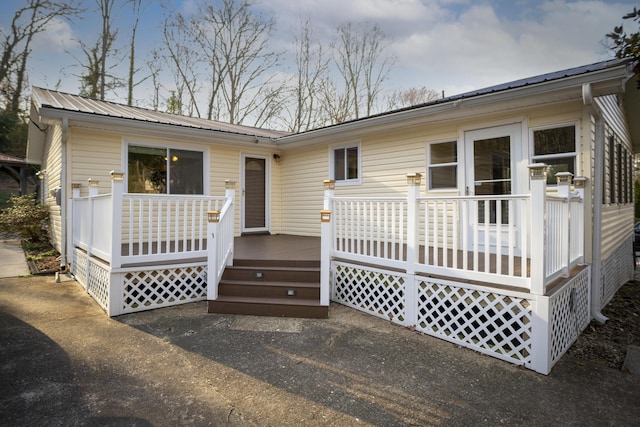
542, 157
139, 142
455, 141
332, 150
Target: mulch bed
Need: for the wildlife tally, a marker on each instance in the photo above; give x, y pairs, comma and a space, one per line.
607, 344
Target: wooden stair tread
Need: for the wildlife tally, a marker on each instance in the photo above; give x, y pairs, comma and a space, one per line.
272, 268
270, 283
270, 301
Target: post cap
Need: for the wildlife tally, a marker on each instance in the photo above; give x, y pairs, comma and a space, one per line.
117, 176
580, 181
329, 184
414, 178
229, 184
538, 171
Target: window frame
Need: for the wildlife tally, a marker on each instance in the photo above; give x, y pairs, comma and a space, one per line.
455, 142
540, 158
166, 145
332, 150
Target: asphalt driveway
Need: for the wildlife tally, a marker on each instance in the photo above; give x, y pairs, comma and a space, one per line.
64, 362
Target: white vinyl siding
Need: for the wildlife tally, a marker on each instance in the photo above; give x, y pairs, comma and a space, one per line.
52, 165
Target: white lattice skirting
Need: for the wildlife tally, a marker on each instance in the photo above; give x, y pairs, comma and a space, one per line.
492, 321
569, 308
131, 290
163, 287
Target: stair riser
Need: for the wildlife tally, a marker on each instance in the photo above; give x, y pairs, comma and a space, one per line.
316, 312
271, 275
255, 290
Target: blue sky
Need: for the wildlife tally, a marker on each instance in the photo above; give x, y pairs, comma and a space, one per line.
445, 45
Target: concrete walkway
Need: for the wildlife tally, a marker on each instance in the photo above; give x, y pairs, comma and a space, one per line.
64, 362
12, 260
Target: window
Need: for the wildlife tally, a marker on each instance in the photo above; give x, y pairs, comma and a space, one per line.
555, 147
159, 170
442, 158
345, 164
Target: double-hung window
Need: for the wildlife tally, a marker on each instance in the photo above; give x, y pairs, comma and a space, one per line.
556, 147
160, 170
345, 163
442, 159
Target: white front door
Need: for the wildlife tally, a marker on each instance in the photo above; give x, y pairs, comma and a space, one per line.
255, 193
491, 160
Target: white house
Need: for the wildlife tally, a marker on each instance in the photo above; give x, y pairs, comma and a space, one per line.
499, 219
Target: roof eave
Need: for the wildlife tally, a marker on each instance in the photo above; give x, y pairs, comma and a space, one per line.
85, 120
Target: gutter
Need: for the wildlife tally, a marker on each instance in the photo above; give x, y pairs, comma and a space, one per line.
63, 194
598, 191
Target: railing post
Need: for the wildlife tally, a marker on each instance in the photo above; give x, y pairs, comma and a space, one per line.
230, 193
538, 207
326, 241
93, 186
72, 220
580, 183
116, 293
117, 190
75, 190
540, 335
413, 250
564, 188
213, 220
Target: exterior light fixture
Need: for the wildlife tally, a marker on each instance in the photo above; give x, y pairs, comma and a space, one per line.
213, 216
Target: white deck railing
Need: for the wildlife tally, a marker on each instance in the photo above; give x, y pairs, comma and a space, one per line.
125, 229
490, 239
159, 227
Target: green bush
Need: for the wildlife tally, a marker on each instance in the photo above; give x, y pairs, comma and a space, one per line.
25, 216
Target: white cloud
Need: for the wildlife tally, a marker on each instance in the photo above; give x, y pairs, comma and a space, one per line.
57, 38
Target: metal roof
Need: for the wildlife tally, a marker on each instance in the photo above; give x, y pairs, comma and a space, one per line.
46, 98
516, 84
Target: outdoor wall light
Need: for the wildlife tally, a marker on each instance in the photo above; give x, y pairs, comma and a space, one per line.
325, 216
41, 174
213, 216
276, 157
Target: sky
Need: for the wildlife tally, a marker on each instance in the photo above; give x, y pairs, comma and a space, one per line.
446, 45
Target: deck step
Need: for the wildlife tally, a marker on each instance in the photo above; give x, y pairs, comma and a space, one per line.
272, 273
278, 263
264, 289
277, 307
288, 288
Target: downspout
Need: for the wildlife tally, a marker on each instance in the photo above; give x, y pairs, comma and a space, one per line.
63, 195
598, 192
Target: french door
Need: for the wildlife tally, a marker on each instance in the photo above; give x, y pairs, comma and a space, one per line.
491, 159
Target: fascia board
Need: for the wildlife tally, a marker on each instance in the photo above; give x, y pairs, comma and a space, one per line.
151, 129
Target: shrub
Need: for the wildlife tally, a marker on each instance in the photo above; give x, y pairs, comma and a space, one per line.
25, 216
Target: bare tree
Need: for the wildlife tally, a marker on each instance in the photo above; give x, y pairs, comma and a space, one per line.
247, 88
182, 60
304, 108
359, 56
409, 97
97, 78
131, 83
29, 20
154, 66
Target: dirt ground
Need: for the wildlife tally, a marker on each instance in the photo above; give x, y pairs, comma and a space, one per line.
607, 344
